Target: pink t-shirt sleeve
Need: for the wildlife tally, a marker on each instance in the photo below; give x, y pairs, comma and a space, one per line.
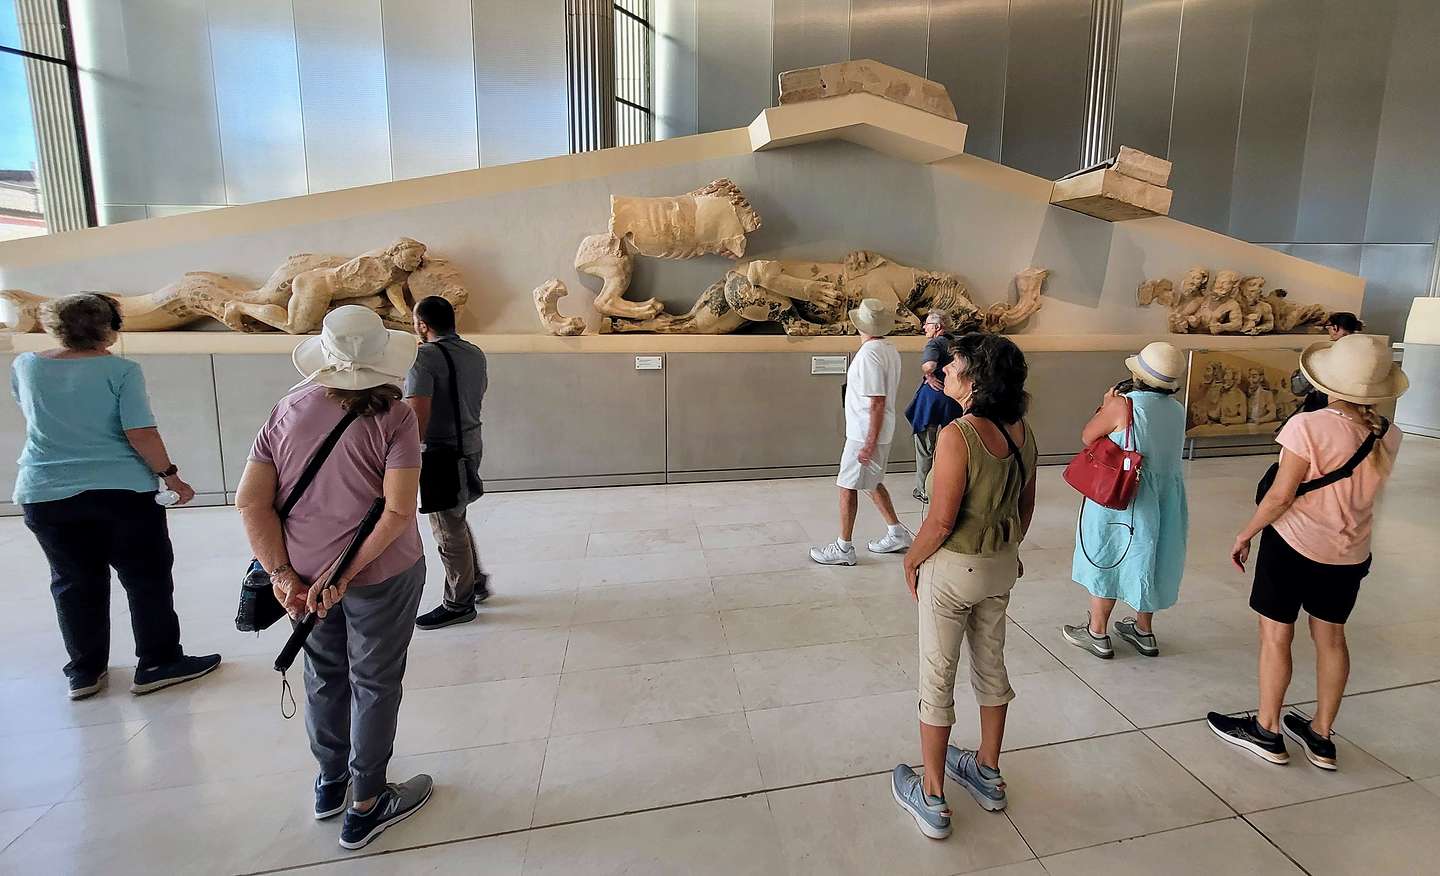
404, 440
263, 450
1298, 438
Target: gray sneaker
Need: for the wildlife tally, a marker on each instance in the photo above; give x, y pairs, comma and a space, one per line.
987, 786
1080, 636
833, 554
1144, 642
394, 804
890, 543
931, 814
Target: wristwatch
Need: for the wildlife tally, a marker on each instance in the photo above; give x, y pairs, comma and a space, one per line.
169, 472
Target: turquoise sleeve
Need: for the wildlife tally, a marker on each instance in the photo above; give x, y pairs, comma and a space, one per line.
135, 410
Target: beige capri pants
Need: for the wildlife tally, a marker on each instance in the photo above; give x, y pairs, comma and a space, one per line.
963, 600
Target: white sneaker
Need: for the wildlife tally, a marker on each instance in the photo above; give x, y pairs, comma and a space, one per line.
890, 543
833, 554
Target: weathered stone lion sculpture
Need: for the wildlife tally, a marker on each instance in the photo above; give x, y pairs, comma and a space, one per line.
294, 299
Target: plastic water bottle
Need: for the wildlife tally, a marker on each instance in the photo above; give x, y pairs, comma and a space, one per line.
166, 498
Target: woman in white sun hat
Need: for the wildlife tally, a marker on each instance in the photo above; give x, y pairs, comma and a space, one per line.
355, 658
1315, 540
1136, 556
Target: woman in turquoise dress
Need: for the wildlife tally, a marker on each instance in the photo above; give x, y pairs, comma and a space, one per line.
1136, 556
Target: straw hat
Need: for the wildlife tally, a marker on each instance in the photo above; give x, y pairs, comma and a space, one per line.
873, 318
1159, 365
1356, 368
354, 350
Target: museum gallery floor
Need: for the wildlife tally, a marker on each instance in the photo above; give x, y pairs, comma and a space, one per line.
665, 684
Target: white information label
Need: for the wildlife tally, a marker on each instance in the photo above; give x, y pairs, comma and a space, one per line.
827, 364
649, 363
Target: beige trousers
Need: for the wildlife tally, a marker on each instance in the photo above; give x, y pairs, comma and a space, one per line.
962, 601
459, 556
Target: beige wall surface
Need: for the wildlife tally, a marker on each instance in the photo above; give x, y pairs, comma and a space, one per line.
510, 228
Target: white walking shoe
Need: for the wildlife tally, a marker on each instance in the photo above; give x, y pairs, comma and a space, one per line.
833, 554
890, 543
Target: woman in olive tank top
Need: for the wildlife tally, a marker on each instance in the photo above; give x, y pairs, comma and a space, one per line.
961, 568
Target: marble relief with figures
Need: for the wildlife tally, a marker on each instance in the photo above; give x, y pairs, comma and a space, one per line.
1229, 303
805, 298
293, 300
1240, 392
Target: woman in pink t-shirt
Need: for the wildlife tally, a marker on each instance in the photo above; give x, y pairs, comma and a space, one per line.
1315, 541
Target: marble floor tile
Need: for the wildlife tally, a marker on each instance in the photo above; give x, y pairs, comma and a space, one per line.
638, 569
759, 589
761, 558
14, 822
45, 766
493, 856
514, 611
478, 791
792, 676
644, 640
1025, 868
1230, 846
469, 715
855, 827
483, 654
627, 696
507, 547
1431, 785
1049, 707
790, 626
731, 535
1397, 726
39, 703
651, 599
1385, 831
890, 615
835, 739
534, 576
725, 838
1242, 780
634, 768
632, 542
1132, 788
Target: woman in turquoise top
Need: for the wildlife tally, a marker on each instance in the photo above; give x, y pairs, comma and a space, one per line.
87, 485
1137, 555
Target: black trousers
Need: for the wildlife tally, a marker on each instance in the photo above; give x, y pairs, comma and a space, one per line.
83, 537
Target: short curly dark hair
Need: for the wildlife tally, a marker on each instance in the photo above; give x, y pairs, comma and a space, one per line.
81, 322
998, 371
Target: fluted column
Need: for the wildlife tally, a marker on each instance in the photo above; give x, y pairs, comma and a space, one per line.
1098, 142
590, 64
64, 184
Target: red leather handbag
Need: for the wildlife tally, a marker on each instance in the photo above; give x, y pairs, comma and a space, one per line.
1106, 473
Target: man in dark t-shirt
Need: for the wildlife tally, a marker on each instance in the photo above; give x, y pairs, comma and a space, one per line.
428, 391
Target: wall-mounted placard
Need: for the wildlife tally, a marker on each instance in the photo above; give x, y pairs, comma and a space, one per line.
649, 363
827, 364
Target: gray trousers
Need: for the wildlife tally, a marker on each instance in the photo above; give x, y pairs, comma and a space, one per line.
354, 666
925, 455
459, 556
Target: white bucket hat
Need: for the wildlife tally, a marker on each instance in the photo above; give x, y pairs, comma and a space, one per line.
1356, 368
354, 350
873, 318
1159, 365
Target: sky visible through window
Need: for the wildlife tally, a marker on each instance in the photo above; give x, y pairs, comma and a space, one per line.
17, 128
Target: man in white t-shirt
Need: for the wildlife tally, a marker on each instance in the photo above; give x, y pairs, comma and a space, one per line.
871, 385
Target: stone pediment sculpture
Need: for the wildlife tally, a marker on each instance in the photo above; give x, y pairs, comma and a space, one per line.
814, 298
1233, 304
866, 76
294, 299
803, 297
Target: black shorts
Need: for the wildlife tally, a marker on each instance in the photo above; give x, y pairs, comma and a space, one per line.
1287, 580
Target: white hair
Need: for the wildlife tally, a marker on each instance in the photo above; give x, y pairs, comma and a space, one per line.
940, 318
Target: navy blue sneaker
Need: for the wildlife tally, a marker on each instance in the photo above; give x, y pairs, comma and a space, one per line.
149, 679
1245, 732
83, 687
330, 797
395, 804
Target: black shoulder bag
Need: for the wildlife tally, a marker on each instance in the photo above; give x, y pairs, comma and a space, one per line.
258, 607
440, 467
1325, 480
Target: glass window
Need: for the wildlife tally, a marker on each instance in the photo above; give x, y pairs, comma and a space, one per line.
634, 116
20, 211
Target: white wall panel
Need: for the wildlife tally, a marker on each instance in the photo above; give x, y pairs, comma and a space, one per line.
520, 83
257, 94
342, 90
147, 83
430, 86
1405, 194
807, 33
677, 68
736, 62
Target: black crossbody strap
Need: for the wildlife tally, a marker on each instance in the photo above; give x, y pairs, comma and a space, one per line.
1350, 465
454, 398
1014, 451
312, 468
